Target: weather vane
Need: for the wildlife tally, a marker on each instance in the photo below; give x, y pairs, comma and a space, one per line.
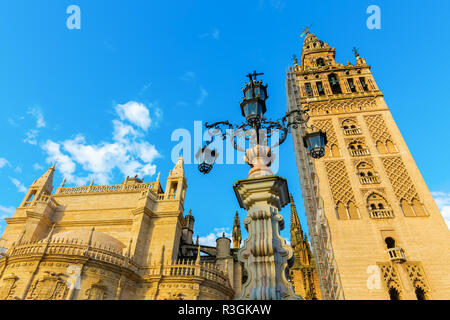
306, 31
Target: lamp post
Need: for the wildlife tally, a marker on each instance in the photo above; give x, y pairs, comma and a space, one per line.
264, 253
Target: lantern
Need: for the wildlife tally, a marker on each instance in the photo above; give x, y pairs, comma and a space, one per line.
253, 105
206, 158
315, 143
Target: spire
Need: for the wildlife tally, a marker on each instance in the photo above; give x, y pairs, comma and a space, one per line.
178, 170
46, 181
63, 183
295, 222
237, 232
197, 261
316, 53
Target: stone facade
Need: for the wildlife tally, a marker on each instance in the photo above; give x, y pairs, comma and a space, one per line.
375, 229
126, 241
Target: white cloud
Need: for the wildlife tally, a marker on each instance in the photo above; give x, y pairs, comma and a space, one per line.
37, 113
203, 95
36, 166
128, 151
20, 186
215, 34
210, 239
3, 162
18, 170
6, 212
188, 76
31, 137
443, 202
136, 113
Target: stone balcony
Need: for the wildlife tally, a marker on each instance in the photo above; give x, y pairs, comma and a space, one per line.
381, 214
369, 179
396, 255
352, 131
359, 152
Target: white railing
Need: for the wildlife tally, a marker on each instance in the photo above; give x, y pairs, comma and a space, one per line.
369, 179
396, 254
359, 152
106, 188
205, 270
353, 131
381, 214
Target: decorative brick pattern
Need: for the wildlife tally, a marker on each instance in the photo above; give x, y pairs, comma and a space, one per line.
400, 179
378, 129
339, 182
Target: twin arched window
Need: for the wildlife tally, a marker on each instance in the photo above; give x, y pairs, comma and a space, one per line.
320, 62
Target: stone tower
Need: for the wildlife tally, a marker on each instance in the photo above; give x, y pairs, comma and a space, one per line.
303, 273
375, 229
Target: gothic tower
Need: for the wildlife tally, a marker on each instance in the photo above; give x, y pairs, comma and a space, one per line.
376, 231
303, 273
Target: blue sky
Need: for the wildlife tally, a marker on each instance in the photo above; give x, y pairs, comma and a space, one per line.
104, 100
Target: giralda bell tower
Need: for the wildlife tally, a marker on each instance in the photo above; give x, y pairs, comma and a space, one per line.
375, 230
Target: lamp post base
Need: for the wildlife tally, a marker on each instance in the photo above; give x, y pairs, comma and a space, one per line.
265, 253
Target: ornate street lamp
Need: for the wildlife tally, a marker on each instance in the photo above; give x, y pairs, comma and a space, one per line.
253, 108
265, 254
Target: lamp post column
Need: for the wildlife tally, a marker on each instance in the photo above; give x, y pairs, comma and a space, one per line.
265, 253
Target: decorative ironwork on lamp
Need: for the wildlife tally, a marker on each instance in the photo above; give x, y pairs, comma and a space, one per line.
253, 108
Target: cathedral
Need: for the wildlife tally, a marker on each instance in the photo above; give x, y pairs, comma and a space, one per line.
375, 231
129, 241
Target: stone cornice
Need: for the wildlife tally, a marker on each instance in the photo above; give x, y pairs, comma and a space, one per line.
109, 222
251, 191
329, 69
143, 210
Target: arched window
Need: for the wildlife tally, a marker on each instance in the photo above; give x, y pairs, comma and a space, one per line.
378, 207
418, 208
407, 209
320, 62
381, 147
390, 242
394, 294
358, 148
420, 293
334, 84
352, 210
335, 151
341, 211
391, 148
366, 173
